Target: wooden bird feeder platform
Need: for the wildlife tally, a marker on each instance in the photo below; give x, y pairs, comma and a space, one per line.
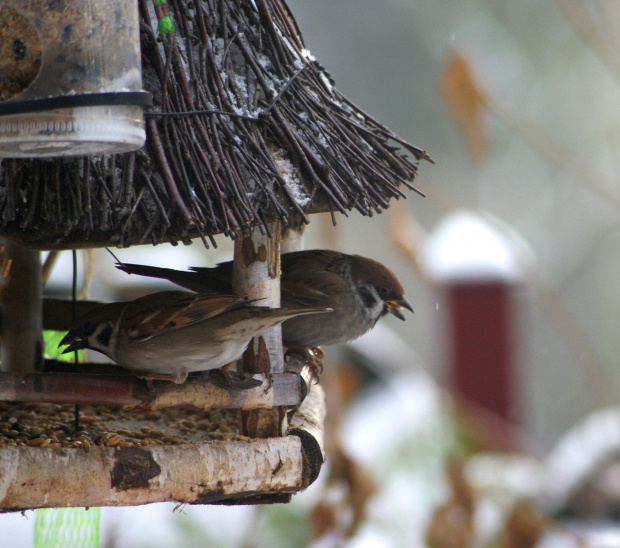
120, 458
141, 441
247, 134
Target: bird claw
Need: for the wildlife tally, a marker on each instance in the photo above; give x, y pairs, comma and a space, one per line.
312, 356
233, 381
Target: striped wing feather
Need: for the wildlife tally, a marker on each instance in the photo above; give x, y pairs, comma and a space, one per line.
163, 312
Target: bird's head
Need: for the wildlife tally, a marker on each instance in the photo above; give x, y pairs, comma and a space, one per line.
379, 289
96, 335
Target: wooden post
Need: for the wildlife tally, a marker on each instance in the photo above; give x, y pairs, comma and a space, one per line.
293, 235
482, 346
478, 261
256, 274
20, 326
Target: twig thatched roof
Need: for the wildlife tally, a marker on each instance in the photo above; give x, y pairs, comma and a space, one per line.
247, 127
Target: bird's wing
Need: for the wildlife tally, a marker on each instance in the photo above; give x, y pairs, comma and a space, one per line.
163, 312
309, 279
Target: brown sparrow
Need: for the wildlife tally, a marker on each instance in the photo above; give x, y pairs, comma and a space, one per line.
358, 289
174, 332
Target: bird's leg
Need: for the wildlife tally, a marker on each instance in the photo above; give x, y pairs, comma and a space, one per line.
226, 372
224, 378
269, 377
312, 356
180, 375
319, 355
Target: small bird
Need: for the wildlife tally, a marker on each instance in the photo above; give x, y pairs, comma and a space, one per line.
358, 289
174, 333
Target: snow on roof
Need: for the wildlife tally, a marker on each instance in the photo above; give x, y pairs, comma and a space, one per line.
472, 246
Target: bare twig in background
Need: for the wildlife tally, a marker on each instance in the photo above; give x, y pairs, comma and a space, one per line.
48, 265
554, 152
597, 33
466, 98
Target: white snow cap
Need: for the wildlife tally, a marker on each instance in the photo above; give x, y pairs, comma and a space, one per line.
475, 246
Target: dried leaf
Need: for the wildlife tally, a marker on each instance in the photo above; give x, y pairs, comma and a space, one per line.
524, 527
348, 381
451, 525
5, 270
359, 483
405, 234
323, 519
464, 100
462, 492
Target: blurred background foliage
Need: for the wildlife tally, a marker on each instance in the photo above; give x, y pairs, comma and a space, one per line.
517, 104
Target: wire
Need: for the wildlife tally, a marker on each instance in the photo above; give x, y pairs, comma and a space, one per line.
76, 423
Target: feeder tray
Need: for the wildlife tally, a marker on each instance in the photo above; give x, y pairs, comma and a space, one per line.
122, 458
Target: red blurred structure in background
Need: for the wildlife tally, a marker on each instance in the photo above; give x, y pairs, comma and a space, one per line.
481, 368
477, 262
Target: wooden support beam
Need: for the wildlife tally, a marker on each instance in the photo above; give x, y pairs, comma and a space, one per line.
256, 274
20, 326
292, 235
117, 389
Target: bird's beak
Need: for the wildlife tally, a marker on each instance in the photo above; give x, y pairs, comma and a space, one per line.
73, 345
395, 305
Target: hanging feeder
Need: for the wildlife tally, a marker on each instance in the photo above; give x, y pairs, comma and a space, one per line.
70, 78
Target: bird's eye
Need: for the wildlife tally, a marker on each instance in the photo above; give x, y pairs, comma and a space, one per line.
384, 292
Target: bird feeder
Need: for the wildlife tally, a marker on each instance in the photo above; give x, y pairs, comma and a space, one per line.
70, 78
247, 134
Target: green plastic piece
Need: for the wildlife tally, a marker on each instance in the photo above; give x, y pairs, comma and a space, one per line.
65, 527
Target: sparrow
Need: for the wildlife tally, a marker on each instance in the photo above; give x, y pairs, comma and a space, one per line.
358, 289
173, 333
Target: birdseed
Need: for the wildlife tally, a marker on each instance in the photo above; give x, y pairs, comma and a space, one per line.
51, 426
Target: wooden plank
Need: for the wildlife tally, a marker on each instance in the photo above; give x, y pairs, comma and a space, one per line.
201, 473
284, 389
